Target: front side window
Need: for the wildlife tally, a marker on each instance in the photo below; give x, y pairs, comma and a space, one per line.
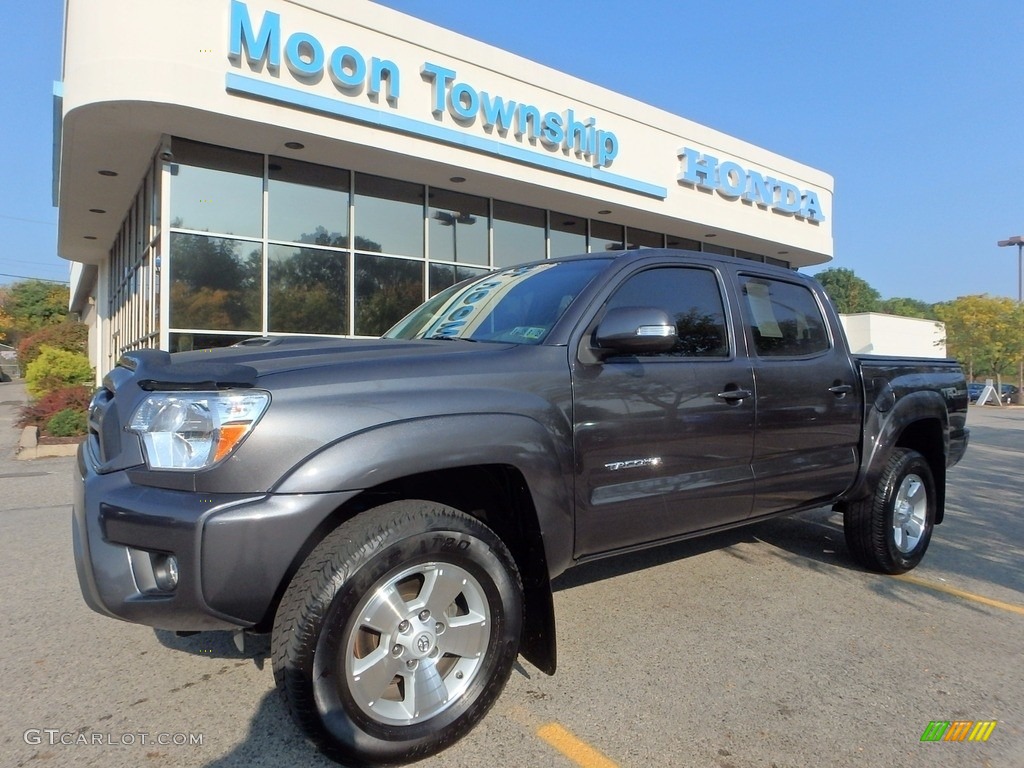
785, 319
691, 297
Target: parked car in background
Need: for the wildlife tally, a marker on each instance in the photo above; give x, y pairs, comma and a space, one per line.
1007, 392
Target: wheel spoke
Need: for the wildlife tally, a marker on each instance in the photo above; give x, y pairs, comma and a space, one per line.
384, 611
914, 528
440, 588
466, 636
915, 492
374, 673
425, 690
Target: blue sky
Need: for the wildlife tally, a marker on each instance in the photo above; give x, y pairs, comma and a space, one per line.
915, 107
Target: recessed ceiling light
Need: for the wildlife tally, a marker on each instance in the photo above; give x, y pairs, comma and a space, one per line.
96, 210
457, 179
294, 145
604, 212
107, 173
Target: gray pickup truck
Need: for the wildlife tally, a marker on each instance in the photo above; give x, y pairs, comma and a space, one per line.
393, 510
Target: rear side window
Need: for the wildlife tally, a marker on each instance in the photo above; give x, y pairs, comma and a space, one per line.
785, 319
691, 297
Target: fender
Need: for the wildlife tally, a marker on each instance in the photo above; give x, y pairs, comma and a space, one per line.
883, 428
400, 449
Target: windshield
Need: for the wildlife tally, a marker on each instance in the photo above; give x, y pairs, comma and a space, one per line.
518, 305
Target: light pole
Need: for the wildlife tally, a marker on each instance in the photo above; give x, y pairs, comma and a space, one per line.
1018, 240
453, 220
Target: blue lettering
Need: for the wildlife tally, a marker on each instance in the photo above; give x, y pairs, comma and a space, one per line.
576, 138
788, 200
464, 100
760, 190
439, 77
305, 55
264, 46
812, 208
383, 69
348, 68
732, 179
607, 147
528, 114
497, 111
552, 133
701, 170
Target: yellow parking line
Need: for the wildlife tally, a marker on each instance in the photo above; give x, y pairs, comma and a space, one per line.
579, 752
1011, 607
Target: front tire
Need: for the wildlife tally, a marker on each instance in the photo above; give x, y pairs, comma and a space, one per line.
890, 531
398, 633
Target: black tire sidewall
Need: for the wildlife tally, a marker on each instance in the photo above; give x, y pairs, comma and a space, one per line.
344, 730
907, 463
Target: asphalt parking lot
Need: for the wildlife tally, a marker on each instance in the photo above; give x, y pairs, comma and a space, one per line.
762, 647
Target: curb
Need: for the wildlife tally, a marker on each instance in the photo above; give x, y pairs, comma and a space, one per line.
29, 447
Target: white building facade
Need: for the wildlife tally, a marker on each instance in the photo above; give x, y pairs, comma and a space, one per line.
235, 168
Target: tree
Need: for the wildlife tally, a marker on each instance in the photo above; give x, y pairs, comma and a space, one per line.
848, 292
29, 305
907, 307
986, 334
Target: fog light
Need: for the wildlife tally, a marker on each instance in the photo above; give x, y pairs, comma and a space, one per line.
165, 572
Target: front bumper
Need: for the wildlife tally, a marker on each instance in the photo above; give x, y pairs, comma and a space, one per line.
234, 551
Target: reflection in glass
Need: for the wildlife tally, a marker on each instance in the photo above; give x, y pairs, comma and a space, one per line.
518, 234
308, 290
386, 291
389, 216
642, 238
605, 237
215, 283
214, 189
307, 203
186, 342
719, 249
568, 235
445, 275
457, 227
682, 243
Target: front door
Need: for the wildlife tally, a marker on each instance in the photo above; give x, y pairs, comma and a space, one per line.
663, 442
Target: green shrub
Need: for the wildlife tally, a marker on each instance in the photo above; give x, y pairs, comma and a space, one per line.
55, 369
67, 423
71, 337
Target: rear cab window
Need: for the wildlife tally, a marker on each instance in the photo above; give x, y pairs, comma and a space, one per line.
785, 319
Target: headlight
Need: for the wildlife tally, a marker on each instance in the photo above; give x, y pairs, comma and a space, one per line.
194, 430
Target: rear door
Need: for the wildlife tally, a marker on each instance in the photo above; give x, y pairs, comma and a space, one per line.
808, 399
659, 452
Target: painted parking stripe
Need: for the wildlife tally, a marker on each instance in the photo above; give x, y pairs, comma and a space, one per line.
578, 751
954, 592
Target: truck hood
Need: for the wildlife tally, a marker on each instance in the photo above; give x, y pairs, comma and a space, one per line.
243, 366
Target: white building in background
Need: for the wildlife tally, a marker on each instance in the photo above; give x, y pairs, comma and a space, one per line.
872, 333
230, 168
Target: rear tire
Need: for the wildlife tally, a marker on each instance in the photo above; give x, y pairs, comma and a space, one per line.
890, 531
398, 633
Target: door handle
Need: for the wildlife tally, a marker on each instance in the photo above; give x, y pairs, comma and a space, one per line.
735, 395
841, 390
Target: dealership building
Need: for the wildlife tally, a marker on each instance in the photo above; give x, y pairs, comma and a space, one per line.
234, 168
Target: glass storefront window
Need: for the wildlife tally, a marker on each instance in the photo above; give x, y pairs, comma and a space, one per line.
518, 234
568, 235
719, 249
308, 290
307, 203
389, 216
214, 189
186, 342
216, 283
446, 275
642, 238
683, 243
386, 291
457, 227
605, 237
